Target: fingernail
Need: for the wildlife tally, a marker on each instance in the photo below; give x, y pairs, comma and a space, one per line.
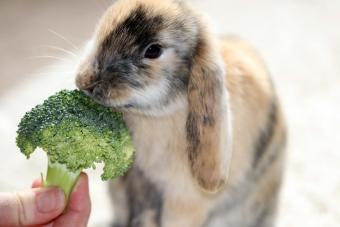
50, 199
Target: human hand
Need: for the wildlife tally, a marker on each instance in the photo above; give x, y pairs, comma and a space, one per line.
44, 206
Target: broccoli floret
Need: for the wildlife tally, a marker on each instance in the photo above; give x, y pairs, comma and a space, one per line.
76, 133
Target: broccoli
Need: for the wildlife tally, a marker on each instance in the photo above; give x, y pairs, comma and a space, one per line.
76, 133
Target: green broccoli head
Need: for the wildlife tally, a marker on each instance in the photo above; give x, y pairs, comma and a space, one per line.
75, 131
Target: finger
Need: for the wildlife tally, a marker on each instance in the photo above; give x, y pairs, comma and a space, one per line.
78, 211
37, 183
33, 207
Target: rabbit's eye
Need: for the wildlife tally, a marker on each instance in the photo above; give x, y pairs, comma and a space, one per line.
153, 51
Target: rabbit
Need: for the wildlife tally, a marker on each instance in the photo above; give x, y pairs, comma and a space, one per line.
205, 120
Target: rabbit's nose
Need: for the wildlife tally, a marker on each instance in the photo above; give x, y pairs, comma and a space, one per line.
86, 84
86, 79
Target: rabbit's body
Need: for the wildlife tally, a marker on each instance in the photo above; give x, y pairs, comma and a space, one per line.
159, 188
203, 114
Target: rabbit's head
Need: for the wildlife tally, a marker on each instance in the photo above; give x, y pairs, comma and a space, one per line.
141, 56
155, 57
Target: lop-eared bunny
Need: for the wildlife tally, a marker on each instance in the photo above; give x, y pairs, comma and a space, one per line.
205, 120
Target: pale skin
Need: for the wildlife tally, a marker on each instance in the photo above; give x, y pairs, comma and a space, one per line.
45, 207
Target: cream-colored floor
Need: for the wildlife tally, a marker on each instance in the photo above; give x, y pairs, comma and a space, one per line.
300, 40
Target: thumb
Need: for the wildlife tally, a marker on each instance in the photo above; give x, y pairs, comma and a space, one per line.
33, 207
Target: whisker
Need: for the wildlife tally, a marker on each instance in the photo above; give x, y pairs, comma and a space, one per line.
50, 73
61, 67
63, 38
62, 50
52, 57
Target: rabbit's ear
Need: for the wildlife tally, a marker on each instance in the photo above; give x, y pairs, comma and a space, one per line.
207, 122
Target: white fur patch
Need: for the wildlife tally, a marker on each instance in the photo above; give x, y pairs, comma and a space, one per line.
152, 94
153, 97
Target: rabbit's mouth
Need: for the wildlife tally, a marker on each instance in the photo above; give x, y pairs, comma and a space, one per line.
109, 97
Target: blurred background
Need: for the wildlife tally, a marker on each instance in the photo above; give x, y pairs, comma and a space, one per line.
40, 44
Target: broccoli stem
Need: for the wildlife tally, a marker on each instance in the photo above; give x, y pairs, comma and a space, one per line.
59, 175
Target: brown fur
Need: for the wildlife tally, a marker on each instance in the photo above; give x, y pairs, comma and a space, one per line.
205, 113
